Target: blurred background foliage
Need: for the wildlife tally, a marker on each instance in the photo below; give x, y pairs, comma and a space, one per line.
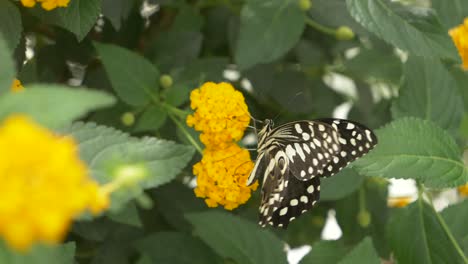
373, 61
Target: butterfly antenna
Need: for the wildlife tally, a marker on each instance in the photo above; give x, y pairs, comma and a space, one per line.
288, 104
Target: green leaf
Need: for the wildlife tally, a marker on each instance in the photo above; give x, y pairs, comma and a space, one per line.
78, 17
232, 237
102, 148
373, 196
340, 185
416, 30
176, 248
116, 11
128, 215
133, 78
7, 74
416, 236
363, 253
429, 92
53, 105
451, 13
188, 19
305, 230
268, 29
373, 64
10, 24
455, 216
416, 149
172, 49
461, 77
304, 95
173, 210
61, 254
326, 252
151, 119
321, 10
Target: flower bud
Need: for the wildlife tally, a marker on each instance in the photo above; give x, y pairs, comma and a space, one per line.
305, 4
344, 33
364, 218
166, 81
128, 118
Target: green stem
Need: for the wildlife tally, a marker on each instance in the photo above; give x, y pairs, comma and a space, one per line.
179, 112
186, 133
319, 27
441, 221
362, 200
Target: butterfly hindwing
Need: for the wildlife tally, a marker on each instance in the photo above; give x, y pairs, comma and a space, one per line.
355, 141
284, 197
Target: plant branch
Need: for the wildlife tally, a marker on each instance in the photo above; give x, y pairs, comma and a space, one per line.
319, 27
186, 133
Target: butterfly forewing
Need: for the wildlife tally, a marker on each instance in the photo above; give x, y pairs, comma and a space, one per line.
294, 155
355, 141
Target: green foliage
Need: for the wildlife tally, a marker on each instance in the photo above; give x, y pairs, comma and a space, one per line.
415, 30
10, 25
63, 254
6, 63
409, 146
237, 239
275, 25
417, 234
420, 94
130, 120
104, 148
53, 105
134, 85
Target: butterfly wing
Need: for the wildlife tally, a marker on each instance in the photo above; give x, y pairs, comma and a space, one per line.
284, 197
355, 141
308, 145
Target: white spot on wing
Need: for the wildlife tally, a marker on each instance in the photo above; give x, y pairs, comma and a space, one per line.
283, 211
299, 151
298, 128
350, 126
290, 152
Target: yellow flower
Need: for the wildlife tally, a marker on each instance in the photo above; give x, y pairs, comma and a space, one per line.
222, 175
46, 4
399, 202
463, 190
220, 114
16, 86
44, 185
460, 38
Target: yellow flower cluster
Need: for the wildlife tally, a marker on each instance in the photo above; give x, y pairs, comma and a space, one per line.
43, 186
460, 38
222, 175
16, 86
46, 4
222, 116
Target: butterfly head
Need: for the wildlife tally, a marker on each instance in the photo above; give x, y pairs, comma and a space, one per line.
263, 133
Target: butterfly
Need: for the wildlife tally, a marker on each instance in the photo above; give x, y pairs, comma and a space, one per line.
294, 156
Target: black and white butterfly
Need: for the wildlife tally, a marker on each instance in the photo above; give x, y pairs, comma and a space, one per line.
292, 158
